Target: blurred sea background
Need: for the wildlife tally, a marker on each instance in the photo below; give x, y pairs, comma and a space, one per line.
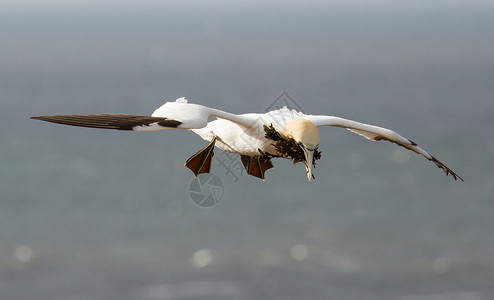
97, 214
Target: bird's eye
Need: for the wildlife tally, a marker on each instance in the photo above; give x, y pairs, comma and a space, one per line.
305, 147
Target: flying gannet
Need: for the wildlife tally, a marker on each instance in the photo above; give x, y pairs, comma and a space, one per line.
256, 137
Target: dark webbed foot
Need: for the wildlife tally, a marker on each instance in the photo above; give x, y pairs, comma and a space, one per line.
200, 162
256, 165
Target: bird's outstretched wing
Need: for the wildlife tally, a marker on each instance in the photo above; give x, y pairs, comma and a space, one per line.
178, 114
194, 116
113, 121
375, 133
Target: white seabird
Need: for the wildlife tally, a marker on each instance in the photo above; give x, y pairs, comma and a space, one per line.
256, 137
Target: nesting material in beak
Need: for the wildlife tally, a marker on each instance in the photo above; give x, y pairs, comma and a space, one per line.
287, 147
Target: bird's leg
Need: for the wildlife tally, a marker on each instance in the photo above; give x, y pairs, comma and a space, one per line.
200, 162
256, 165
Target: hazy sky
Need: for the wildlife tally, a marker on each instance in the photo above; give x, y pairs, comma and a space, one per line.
348, 4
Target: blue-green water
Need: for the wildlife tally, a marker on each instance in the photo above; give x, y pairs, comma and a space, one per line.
95, 214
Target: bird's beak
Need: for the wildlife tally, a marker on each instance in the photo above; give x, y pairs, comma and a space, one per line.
309, 158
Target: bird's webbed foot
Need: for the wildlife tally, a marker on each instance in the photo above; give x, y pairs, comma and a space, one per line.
256, 165
200, 162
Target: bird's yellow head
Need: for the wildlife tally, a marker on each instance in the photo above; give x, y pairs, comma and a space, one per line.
306, 134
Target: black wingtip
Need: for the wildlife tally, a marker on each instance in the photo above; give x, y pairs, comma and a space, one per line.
110, 121
446, 170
